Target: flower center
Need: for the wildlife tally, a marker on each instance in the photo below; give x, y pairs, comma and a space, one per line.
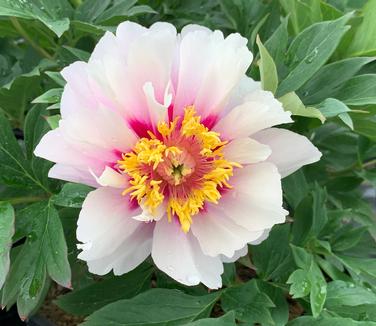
179, 168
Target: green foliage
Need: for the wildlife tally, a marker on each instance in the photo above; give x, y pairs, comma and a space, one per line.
318, 268
155, 307
6, 233
95, 296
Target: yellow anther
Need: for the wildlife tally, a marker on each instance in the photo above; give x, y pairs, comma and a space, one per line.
143, 165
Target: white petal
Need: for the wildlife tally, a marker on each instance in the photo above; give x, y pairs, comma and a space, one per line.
258, 113
237, 254
290, 151
132, 252
255, 201
238, 95
179, 255
157, 111
246, 151
105, 221
72, 174
218, 234
146, 216
111, 178
263, 236
193, 28
207, 68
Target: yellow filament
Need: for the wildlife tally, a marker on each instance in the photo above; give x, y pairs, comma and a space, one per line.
152, 152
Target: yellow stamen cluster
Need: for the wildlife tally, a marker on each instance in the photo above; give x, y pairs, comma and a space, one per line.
152, 152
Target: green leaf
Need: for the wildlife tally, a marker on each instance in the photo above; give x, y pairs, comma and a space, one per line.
300, 283
318, 289
53, 121
365, 125
95, 296
124, 9
369, 176
291, 102
53, 14
35, 127
226, 320
332, 108
88, 11
347, 237
15, 98
75, 54
272, 256
229, 274
310, 216
279, 313
277, 43
44, 253
51, 96
360, 266
268, 70
52, 243
302, 13
6, 234
363, 42
332, 76
56, 77
248, 302
14, 169
310, 50
348, 294
314, 280
359, 90
155, 307
72, 195
295, 188
328, 321
26, 280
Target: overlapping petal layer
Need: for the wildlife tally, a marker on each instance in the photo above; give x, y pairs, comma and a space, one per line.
134, 92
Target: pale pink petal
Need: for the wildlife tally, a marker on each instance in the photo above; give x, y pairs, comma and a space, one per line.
112, 178
290, 151
56, 147
246, 151
149, 59
261, 111
263, 236
255, 201
119, 68
147, 216
72, 174
132, 252
237, 254
194, 28
238, 95
126, 33
157, 111
219, 234
207, 68
104, 223
179, 255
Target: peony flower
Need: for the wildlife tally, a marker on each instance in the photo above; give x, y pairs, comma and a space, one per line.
178, 143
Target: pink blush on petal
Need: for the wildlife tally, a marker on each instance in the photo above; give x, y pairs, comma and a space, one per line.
140, 128
210, 121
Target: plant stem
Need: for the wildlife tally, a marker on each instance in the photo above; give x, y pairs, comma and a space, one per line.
25, 199
369, 164
26, 36
355, 166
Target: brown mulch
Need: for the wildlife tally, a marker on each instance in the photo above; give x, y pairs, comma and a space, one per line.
53, 313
